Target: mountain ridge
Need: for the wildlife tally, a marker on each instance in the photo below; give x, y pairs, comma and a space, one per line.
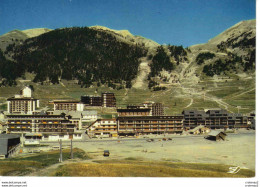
220, 72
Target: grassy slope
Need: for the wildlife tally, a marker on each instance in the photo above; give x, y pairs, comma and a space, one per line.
131, 168
21, 166
175, 98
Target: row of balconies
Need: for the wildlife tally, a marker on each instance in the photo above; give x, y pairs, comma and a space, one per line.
161, 129
104, 130
148, 122
115, 127
150, 130
19, 129
150, 126
56, 130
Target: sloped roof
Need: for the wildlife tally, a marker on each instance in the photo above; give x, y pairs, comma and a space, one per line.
215, 133
3, 146
197, 128
89, 112
9, 136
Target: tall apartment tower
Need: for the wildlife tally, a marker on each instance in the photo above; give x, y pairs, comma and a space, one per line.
108, 100
23, 103
157, 109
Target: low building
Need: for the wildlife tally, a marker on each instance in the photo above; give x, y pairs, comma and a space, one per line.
199, 130
103, 128
216, 135
88, 117
32, 138
137, 125
9, 143
69, 105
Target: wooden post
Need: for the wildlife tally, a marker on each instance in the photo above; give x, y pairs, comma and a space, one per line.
60, 150
71, 149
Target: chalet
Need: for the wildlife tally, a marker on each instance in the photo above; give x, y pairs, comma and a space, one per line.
199, 130
216, 135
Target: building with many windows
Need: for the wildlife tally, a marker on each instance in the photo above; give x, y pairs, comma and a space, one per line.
69, 105
214, 119
103, 128
22, 103
51, 127
106, 100
137, 125
156, 109
133, 111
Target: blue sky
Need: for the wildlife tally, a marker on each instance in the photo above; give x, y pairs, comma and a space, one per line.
175, 22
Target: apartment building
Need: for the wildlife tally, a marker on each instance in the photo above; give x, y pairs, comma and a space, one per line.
69, 105
103, 128
107, 99
137, 125
133, 112
214, 119
22, 103
48, 125
156, 109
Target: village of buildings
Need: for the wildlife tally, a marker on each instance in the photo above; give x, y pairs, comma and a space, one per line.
74, 120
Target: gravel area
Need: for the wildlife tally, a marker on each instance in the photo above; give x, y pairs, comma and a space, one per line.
237, 150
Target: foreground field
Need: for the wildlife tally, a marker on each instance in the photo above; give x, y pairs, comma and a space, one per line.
133, 168
24, 165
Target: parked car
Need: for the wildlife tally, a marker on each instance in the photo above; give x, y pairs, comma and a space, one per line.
106, 153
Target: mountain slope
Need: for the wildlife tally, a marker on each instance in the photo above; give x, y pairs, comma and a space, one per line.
17, 37
35, 32
219, 73
79, 53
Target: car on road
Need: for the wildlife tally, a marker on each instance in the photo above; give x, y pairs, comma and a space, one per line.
106, 153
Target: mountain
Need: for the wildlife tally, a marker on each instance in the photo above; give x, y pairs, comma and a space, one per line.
220, 72
35, 32
16, 37
84, 54
126, 36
